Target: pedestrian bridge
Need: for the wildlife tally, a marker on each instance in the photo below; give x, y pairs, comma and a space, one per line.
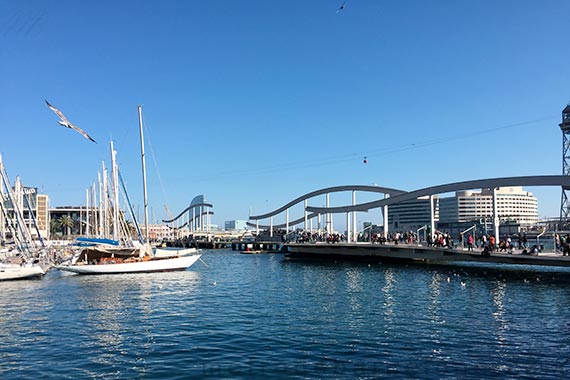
391, 196
195, 216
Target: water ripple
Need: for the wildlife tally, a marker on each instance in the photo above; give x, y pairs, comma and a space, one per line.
258, 316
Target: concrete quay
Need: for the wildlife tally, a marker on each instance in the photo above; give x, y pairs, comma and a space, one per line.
264, 246
415, 253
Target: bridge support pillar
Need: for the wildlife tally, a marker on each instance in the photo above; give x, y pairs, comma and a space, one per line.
208, 221
354, 227
305, 210
496, 220
385, 233
328, 215
431, 217
348, 233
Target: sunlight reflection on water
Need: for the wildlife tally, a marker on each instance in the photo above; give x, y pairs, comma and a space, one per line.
258, 316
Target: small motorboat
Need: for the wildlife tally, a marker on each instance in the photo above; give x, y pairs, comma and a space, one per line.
251, 251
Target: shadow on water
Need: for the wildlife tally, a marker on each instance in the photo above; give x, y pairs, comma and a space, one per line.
486, 271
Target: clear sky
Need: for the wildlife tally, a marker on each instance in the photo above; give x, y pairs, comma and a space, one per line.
254, 103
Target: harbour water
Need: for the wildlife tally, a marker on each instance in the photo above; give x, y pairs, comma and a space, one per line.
261, 316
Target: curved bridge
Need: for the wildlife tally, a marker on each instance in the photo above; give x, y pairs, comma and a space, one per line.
328, 190
310, 217
198, 214
547, 180
399, 196
188, 209
284, 225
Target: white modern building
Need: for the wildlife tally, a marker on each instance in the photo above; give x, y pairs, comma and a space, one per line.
33, 208
514, 205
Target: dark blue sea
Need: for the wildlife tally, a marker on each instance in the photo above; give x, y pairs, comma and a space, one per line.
263, 317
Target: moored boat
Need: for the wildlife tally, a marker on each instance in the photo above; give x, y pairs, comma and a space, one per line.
20, 272
251, 251
139, 259
22, 259
144, 264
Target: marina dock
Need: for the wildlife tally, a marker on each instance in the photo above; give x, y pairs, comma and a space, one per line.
264, 246
416, 253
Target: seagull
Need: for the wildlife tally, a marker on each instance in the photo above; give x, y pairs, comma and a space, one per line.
67, 124
341, 7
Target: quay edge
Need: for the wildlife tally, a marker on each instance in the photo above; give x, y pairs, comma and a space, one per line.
414, 253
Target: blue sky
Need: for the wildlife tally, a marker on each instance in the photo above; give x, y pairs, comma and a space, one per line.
253, 103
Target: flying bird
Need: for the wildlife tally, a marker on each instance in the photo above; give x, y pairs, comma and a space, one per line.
341, 7
67, 124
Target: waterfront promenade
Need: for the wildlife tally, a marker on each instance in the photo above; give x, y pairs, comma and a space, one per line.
418, 253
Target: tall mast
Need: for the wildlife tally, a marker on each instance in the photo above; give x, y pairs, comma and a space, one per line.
95, 212
87, 212
2, 221
145, 201
105, 201
101, 215
115, 192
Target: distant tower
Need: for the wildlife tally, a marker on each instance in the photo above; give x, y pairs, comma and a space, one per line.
565, 128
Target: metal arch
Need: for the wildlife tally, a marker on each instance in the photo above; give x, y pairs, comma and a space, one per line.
283, 225
179, 227
372, 189
547, 180
202, 214
186, 209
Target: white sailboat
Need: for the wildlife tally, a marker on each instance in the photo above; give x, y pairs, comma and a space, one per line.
146, 264
142, 260
22, 262
20, 271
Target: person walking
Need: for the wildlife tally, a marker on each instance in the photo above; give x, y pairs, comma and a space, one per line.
469, 242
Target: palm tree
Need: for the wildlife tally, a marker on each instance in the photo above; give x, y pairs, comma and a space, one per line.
53, 225
131, 228
66, 223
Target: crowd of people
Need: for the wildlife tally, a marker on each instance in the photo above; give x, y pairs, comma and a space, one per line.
408, 237
486, 242
563, 244
313, 237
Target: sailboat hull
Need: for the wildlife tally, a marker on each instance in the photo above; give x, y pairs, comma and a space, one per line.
153, 265
17, 272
